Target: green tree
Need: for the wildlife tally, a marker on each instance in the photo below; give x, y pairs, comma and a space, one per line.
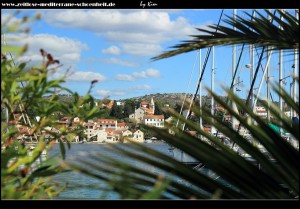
116, 111
158, 108
24, 89
129, 107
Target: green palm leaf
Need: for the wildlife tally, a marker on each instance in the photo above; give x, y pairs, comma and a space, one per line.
276, 177
258, 31
273, 172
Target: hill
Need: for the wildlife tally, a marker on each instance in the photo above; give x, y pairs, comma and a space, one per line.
171, 98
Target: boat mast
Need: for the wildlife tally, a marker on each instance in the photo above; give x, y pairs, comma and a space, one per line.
268, 81
251, 48
296, 66
212, 110
280, 77
200, 90
233, 119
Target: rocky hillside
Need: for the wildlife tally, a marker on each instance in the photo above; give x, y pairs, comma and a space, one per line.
171, 98
164, 98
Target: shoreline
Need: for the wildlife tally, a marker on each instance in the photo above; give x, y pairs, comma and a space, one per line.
158, 142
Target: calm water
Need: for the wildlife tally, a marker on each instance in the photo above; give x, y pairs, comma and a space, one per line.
77, 182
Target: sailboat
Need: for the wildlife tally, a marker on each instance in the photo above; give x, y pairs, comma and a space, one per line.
177, 153
180, 155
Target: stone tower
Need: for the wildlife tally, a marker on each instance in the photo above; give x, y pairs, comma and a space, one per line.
152, 105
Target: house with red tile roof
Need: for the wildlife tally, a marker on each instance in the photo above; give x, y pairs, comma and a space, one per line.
144, 109
155, 120
122, 126
133, 136
107, 123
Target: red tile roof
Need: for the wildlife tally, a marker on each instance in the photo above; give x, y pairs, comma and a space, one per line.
106, 121
154, 117
121, 124
109, 130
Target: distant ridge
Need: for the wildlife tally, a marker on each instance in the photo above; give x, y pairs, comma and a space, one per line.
164, 98
169, 98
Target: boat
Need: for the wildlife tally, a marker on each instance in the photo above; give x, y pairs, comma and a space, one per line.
83, 141
148, 141
185, 158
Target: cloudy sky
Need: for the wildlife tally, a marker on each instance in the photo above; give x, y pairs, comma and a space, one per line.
115, 47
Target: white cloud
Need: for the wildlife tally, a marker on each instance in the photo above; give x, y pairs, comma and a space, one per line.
103, 93
112, 50
66, 50
107, 93
125, 77
121, 92
8, 18
142, 49
86, 76
149, 73
139, 32
120, 62
141, 87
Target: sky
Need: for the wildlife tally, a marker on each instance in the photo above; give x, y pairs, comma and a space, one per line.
115, 47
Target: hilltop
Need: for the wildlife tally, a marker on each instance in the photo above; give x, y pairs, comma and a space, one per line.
170, 98
163, 98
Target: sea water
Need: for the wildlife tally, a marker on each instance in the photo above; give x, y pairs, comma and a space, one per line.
83, 187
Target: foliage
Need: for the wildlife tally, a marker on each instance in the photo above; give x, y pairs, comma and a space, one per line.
273, 172
258, 30
129, 108
266, 166
158, 108
24, 172
116, 111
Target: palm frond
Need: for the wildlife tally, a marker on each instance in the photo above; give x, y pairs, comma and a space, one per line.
258, 30
276, 177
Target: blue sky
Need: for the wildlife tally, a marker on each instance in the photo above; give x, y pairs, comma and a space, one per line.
115, 47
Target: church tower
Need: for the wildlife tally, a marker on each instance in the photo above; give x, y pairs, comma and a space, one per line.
152, 105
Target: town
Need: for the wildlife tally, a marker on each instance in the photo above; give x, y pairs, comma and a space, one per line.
110, 130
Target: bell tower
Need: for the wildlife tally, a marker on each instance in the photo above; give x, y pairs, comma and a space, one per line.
152, 105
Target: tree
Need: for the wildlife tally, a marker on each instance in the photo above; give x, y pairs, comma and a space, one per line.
158, 108
116, 111
129, 108
23, 88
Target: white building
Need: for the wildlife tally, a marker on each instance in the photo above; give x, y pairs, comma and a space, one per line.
89, 130
101, 135
144, 109
120, 103
138, 115
107, 123
136, 136
155, 120
122, 126
261, 111
113, 136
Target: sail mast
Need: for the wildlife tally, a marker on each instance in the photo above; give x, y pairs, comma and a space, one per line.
280, 77
251, 48
233, 119
268, 82
200, 90
212, 110
296, 66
